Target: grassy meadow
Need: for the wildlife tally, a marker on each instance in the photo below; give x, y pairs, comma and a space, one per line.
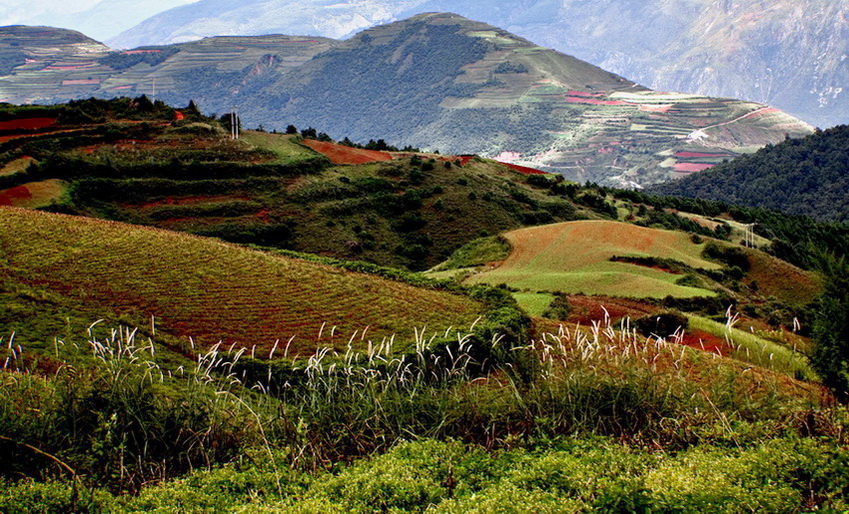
575, 257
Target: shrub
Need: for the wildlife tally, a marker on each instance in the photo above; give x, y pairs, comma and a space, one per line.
663, 324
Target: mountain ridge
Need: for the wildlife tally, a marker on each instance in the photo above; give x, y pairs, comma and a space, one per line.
787, 54
436, 81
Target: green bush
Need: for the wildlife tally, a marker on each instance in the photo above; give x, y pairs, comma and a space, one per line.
663, 324
27, 496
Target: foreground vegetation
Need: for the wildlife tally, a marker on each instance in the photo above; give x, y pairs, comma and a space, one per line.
446, 397
599, 418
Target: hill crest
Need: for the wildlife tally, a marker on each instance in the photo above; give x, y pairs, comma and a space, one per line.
437, 81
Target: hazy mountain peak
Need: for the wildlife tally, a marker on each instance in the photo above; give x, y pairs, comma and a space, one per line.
787, 53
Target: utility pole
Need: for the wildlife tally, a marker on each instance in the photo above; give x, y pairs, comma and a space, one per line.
234, 123
749, 235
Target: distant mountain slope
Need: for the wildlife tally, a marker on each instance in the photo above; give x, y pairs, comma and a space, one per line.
804, 176
336, 19
21, 45
442, 81
790, 54
103, 20
436, 81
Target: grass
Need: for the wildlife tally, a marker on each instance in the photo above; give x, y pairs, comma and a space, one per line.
753, 349
284, 147
477, 253
34, 195
535, 428
575, 257
534, 303
16, 166
188, 284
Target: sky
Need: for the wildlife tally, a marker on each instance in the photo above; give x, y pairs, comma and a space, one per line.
94, 18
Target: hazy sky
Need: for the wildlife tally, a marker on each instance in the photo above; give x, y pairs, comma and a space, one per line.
100, 19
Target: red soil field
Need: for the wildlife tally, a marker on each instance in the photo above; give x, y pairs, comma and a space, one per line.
341, 154
691, 167
80, 82
593, 101
27, 124
707, 342
689, 155
655, 108
9, 196
586, 309
524, 170
179, 116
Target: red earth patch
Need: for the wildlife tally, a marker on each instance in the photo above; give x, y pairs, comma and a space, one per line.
692, 167
341, 154
524, 169
707, 342
27, 124
8, 196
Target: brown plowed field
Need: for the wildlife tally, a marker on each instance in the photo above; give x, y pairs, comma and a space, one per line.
341, 154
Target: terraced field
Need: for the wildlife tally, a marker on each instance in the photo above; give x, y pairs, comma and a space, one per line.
210, 290
574, 257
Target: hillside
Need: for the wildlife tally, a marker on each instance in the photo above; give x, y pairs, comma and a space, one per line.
781, 53
349, 387
412, 210
468, 86
53, 265
631, 269
576, 257
806, 176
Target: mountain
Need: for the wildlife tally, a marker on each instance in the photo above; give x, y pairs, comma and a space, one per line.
22, 46
326, 18
438, 81
789, 54
104, 19
807, 176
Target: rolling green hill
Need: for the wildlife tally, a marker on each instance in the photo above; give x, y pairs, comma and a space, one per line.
438, 81
575, 257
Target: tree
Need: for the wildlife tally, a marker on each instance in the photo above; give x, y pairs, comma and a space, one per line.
191, 109
830, 334
291, 130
